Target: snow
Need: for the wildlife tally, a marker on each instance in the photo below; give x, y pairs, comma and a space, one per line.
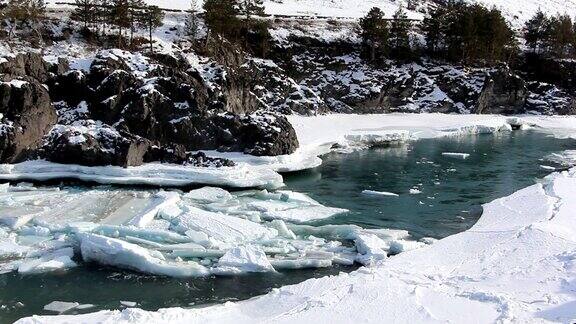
379, 193
305, 8
462, 156
16, 83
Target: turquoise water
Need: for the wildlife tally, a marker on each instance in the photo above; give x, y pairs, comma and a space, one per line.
452, 192
452, 189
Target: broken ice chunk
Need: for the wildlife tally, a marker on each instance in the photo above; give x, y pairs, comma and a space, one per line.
160, 200
213, 229
57, 260
60, 306
371, 249
300, 263
304, 213
208, 195
9, 248
128, 303
16, 221
378, 193
161, 236
462, 156
114, 252
415, 191
400, 246
243, 259
282, 229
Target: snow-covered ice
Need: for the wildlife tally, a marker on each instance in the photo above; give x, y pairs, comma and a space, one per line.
241, 176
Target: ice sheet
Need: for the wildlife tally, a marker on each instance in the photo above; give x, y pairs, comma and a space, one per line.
148, 174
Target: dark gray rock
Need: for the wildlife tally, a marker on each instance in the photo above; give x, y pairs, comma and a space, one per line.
27, 115
503, 93
102, 146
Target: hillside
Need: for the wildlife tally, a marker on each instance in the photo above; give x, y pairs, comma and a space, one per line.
516, 11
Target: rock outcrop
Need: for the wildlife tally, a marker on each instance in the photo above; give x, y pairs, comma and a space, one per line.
26, 115
128, 109
504, 92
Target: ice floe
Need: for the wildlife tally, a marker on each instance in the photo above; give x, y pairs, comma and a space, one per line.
60, 306
149, 174
178, 234
462, 156
379, 193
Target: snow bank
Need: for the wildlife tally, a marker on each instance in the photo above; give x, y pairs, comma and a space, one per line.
517, 264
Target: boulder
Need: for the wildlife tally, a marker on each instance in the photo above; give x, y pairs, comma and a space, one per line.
26, 114
95, 145
70, 87
503, 93
30, 65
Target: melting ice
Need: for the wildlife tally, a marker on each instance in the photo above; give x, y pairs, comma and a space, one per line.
207, 231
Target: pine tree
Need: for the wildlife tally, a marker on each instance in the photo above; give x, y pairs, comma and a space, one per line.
192, 24
120, 16
562, 35
103, 14
153, 18
249, 8
221, 18
535, 31
500, 39
135, 11
400, 33
25, 12
85, 12
434, 27
374, 32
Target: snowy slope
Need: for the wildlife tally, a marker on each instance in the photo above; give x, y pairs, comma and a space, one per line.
517, 11
326, 8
